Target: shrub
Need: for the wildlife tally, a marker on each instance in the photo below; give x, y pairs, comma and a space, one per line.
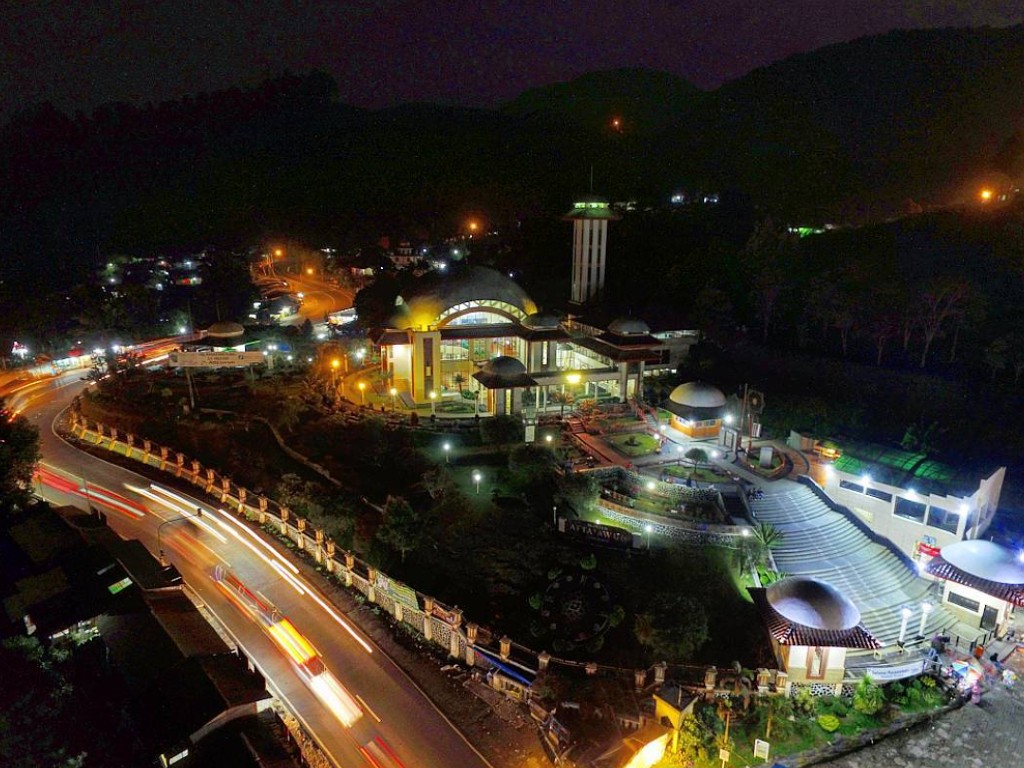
589, 562
868, 699
803, 702
828, 723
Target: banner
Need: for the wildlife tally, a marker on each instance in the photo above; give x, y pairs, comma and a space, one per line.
397, 591
896, 671
215, 359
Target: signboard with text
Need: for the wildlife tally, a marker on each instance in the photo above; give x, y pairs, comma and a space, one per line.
896, 671
761, 748
215, 359
595, 533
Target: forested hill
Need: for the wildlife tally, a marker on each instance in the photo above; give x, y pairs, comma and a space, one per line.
839, 134
853, 129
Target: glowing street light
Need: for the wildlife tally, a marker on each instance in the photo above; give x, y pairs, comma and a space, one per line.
477, 477
278, 252
309, 271
473, 226
985, 195
334, 372
650, 485
647, 529
393, 392
573, 378
548, 439
447, 453
433, 402
362, 392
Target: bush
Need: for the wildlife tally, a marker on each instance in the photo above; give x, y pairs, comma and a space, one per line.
868, 699
589, 562
803, 702
828, 723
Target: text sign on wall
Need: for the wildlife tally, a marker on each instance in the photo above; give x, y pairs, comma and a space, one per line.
215, 359
600, 534
761, 748
897, 671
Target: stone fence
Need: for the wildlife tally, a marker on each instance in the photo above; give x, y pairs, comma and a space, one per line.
510, 667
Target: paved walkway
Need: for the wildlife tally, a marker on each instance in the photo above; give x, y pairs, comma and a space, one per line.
987, 735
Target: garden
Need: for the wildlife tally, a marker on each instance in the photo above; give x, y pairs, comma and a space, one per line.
801, 722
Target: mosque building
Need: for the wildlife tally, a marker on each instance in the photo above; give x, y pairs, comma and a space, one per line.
473, 329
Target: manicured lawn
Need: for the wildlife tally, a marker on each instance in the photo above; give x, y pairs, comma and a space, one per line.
633, 444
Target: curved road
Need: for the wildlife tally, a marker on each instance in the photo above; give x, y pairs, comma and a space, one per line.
398, 725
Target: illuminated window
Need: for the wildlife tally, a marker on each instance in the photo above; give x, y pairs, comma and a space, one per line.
910, 510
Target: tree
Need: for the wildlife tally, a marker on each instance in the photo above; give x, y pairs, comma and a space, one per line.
402, 528
678, 626
713, 312
692, 739
997, 355
696, 456
460, 381
19, 454
881, 328
940, 301
766, 254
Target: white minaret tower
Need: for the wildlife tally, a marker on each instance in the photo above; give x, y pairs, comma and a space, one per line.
590, 216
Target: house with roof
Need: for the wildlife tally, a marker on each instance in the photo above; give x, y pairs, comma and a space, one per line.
811, 626
918, 503
982, 583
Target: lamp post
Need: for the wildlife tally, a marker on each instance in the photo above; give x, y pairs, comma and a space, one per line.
548, 439
554, 515
926, 608
393, 392
447, 451
334, 373
905, 614
433, 403
159, 528
477, 477
362, 392
647, 529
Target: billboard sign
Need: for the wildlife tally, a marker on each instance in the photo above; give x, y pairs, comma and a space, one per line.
600, 534
215, 359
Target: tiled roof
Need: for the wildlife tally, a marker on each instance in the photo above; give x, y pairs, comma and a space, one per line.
943, 569
788, 632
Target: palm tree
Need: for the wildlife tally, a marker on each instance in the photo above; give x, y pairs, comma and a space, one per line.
460, 380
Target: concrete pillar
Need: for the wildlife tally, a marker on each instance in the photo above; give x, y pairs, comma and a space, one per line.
591, 668
471, 632
453, 647
659, 672
710, 678
543, 659
371, 577
130, 440
764, 679
456, 617
399, 612
505, 647
196, 468
113, 435
164, 453
147, 448
350, 563
241, 497
329, 560
623, 381
428, 611
639, 679
209, 480
262, 517
179, 469
517, 402
225, 489
284, 521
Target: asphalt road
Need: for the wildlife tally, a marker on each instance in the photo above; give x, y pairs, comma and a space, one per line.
398, 725
319, 298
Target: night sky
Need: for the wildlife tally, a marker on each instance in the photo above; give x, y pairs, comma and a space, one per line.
382, 52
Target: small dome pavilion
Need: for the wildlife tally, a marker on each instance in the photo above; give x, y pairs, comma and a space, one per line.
811, 625
983, 582
697, 409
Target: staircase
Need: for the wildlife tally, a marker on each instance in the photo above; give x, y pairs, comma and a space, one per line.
821, 543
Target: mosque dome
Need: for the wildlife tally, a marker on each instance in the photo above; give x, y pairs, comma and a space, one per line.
503, 366
432, 297
697, 394
628, 326
225, 329
812, 603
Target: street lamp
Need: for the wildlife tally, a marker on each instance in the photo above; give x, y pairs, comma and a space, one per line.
926, 608
647, 529
393, 392
905, 617
159, 528
447, 449
573, 378
650, 485
362, 392
433, 403
477, 477
334, 372
548, 439
554, 515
